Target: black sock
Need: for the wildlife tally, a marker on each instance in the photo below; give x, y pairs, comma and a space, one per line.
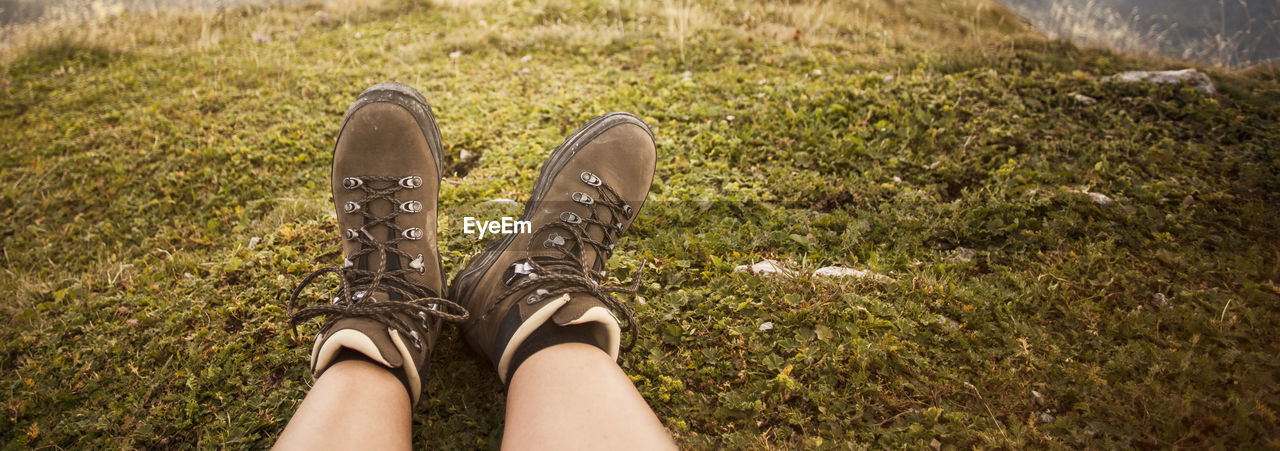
345, 354
547, 335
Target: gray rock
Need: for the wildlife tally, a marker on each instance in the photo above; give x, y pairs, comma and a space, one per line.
1084, 99
766, 267
501, 201
1160, 300
1101, 199
840, 271
467, 156
948, 323
1190, 77
963, 254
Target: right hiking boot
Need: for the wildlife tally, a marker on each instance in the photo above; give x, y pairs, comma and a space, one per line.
586, 196
385, 180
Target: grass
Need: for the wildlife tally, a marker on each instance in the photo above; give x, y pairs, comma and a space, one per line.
165, 186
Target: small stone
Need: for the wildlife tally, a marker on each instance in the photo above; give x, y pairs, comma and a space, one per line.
188, 276
1045, 417
948, 323
963, 254
1098, 198
1190, 77
467, 156
766, 267
935, 445
1160, 300
131, 322
641, 300
253, 242
840, 271
729, 118
1039, 399
524, 71
526, 58
1084, 99
817, 71
500, 201
452, 55
766, 326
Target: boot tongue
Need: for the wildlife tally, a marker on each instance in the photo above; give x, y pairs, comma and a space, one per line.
379, 209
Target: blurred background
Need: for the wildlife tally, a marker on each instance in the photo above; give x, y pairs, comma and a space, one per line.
1227, 33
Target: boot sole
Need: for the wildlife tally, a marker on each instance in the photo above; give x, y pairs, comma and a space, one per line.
466, 280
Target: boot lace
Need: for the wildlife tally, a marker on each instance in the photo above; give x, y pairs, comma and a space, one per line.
357, 285
568, 271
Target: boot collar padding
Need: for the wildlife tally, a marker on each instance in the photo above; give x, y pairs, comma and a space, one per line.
322, 355
608, 324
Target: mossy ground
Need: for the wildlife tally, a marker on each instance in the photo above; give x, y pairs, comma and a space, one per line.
138, 166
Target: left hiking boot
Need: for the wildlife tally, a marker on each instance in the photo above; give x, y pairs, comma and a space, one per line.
547, 280
385, 182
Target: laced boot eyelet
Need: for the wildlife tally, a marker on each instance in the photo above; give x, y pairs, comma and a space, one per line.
417, 341
536, 296
520, 268
352, 182
583, 198
347, 263
570, 217
412, 206
417, 265
626, 210
351, 207
351, 234
412, 233
411, 182
555, 240
589, 178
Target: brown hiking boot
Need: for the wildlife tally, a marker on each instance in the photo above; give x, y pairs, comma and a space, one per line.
587, 195
386, 178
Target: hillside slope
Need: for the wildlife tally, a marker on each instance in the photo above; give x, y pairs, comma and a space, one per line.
165, 184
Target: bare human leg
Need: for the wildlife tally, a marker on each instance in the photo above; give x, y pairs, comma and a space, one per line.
573, 396
354, 405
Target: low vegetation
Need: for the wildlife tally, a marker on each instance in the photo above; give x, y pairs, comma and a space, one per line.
165, 186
